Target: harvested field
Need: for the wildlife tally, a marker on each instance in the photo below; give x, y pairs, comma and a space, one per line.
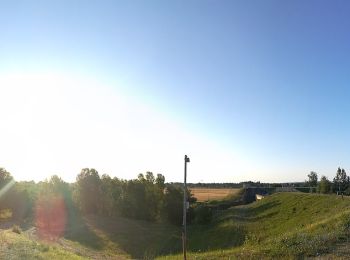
203, 194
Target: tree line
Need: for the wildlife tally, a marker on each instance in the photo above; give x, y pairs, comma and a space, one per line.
339, 185
146, 197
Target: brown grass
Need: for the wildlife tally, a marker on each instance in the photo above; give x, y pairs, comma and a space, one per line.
203, 194
5, 214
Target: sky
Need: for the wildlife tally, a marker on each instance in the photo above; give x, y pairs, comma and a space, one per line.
249, 90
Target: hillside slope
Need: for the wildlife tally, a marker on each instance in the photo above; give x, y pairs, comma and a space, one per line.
21, 246
281, 225
93, 237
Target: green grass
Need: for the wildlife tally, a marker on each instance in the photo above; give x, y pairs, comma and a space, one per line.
91, 237
102, 237
283, 225
20, 246
94, 237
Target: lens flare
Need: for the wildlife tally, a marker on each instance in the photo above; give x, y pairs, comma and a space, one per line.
50, 217
6, 187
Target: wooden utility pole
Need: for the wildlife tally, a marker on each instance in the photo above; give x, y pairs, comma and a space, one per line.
184, 209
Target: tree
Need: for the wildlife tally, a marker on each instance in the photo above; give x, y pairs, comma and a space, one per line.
324, 186
53, 206
6, 184
150, 177
112, 190
88, 191
341, 180
160, 181
6, 181
22, 203
172, 205
312, 179
134, 200
12, 197
57, 187
142, 197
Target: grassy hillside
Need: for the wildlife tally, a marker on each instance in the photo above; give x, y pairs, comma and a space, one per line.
22, 246
93, 237
281, 225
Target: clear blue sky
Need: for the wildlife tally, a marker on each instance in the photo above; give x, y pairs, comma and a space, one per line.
264, 81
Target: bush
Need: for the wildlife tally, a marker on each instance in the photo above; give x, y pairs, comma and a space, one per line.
203, 214
303, 189
16, 229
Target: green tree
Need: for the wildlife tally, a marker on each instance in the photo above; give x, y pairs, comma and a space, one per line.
56, 186
324, 186
150, 177
160, 181
341, 180
112, 190
134, 200
28, 194
6, 184
87, 192
142, 198
12, 197
172, 205
312, 181
6, 181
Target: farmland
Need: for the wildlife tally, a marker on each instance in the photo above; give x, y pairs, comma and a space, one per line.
203, 194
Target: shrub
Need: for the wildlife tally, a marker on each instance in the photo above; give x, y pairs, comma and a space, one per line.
203, 214
16, 229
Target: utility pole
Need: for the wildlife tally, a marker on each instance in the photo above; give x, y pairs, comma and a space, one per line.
184, 209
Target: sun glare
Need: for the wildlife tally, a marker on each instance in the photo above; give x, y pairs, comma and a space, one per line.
6, 187
57, 123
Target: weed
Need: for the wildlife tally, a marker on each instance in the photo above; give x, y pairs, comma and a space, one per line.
16, 229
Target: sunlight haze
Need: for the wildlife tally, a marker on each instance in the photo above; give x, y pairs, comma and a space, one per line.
58, 124
249, 91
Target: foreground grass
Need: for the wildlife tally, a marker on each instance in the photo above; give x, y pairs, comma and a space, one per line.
283, 225
94, 237
101, 238
20, 246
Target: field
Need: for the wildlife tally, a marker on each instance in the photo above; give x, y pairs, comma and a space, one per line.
283, 225
203, 194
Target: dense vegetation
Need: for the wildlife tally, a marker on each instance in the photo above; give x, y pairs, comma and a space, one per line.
97, 216
147, 197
